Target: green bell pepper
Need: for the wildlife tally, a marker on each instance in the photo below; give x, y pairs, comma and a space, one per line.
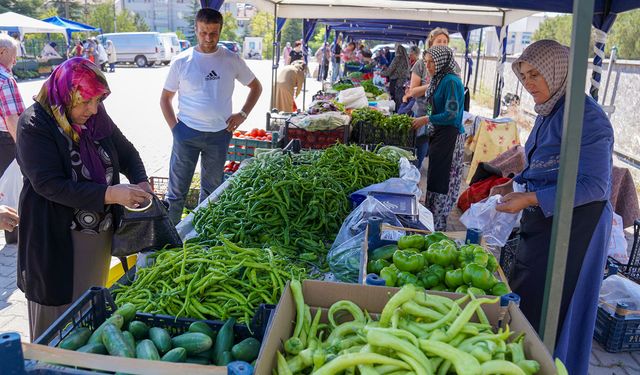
375, 266
453, 278
499, 289
472, 254
415, 241
438, 270
478, 276
390, 275
477, 291
492, 263
405, 278
433, 238
428, 278
443, 253
408, 261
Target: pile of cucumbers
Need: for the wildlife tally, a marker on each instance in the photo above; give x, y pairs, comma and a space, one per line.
122, 336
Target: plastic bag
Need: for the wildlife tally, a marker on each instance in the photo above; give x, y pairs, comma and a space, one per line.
409, 172
322, 121
495, 226
616, 289
11, 185
617, 242
344, 255
353, 98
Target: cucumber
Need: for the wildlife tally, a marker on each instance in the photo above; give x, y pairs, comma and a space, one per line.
246, 350
224, 342
93, 348
203, 327
198, 360
227, 358
128, 338
76, 339
384, 252
127, 311
139, 330
175, 355
96, 336
160, 339
146, 350
114, 341
193, 343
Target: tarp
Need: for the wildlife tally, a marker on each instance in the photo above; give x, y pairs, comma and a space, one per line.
70, 26
14, 22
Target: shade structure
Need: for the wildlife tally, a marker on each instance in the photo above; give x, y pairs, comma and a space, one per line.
14, 22
70, 26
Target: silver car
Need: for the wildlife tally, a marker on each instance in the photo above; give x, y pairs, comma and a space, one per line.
143, 49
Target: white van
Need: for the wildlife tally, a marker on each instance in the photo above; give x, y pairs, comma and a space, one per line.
143, 49
171, 45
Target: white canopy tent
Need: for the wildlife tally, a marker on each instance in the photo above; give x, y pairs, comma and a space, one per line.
14, 22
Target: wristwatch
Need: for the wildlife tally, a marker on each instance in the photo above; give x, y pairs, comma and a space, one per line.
243, 114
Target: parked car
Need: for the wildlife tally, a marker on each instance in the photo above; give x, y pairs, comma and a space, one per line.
171, 46
143, 49
231, 46
184, 44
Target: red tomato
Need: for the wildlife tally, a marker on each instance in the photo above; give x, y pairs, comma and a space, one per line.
262, 132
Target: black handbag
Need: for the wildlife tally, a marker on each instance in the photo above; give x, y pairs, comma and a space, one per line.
138, 231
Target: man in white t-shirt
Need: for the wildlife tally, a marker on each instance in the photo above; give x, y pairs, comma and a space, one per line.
204, 76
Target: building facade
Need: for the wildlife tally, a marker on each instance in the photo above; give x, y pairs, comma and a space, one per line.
520, 35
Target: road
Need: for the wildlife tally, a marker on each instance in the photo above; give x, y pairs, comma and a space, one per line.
134, 106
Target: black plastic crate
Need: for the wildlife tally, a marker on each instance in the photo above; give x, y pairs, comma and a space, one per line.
631, 270
368, 134
508, 254
96, 305
617, 332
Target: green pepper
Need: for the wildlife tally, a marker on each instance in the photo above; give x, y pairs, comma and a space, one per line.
439, 288
390, 275
375, 266
500, 289
476, 291
453, 278
384, 252
428, 278
405, 278
437, 270
408, 261
472, 254
492, 263
462, 289
415, 241
433, 238
478, 276
443, 253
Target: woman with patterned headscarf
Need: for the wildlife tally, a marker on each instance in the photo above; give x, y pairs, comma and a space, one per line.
542, 69
445, 106
71, 155
398, 73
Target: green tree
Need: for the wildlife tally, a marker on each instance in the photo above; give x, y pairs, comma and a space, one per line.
318, 38
229, 28
291, 31
101, 16
74, 9
262, 26
140, 23
191, 22
624, 35
30, 8
556, 28
49, 12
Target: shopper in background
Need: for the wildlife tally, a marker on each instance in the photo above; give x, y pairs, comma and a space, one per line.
101, 56
49, 52
543, 69
289, 85
205, 77
348, 53
336, 51
71, 155
380, 59
285, 53
414, 55
296, 53
323, 55
112, 56
417, 89
398, 73
445, 96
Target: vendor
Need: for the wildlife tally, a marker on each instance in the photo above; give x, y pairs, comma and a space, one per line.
289, 85
49, 52
542, 69
296, 53
445, 97
398, 73
71, 155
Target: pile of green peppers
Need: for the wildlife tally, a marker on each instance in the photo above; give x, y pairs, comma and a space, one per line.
417, 333
435, 262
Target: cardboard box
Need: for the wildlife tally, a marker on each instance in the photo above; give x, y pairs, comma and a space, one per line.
321, 294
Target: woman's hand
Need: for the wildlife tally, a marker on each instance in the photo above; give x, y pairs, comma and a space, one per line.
515, 202
9, 219
126, 195
420, 122
144, 185
503, 189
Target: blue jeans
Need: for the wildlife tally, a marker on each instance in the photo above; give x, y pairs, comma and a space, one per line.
188, 145
422, 152
335, 71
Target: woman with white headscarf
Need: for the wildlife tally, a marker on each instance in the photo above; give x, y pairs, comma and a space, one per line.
542, 69
444, 109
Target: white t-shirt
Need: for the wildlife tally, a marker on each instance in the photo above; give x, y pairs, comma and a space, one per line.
204, 82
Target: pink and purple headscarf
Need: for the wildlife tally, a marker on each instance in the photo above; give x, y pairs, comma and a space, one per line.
72, 82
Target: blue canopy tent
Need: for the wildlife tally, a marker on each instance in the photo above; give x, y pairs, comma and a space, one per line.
70, 26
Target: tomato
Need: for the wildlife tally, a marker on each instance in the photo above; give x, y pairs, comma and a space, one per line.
236, 133
254, 132
262, 132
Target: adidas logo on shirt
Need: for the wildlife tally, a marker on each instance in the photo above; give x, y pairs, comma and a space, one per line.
212, 76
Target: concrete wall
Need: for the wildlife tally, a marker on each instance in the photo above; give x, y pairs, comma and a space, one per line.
625, 119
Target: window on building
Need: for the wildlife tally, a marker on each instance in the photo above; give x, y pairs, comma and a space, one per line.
526, 38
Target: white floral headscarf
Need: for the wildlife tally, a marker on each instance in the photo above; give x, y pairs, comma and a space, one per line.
551, 59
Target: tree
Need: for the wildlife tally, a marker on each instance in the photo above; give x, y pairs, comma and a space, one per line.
191, 22
624, 35
229, 28
140, 23
291, 31
49, 12
72, 10
101, 16
262, 26
30, 8
318, 38
559, 29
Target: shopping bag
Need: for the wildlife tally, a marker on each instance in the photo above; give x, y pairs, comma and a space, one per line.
142, 230
495, 226
617, 242
11, 185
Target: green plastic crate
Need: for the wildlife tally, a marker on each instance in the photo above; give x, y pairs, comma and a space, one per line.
240, 149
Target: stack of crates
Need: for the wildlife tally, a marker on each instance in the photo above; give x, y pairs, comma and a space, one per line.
241, 148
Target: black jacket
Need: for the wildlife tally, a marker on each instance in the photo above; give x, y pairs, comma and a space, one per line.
48, 200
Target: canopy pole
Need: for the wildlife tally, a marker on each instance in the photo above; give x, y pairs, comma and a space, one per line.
612, 62
306, 61
500, 68
275, 57
569, 155
475, 80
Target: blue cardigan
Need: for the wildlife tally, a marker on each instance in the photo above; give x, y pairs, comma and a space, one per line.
448, 103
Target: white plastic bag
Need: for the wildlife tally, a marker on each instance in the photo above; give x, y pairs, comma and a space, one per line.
617, 241
353, 98
495, 226
11, 185
617, 289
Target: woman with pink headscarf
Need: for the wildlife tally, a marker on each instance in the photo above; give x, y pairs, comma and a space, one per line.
71, 155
